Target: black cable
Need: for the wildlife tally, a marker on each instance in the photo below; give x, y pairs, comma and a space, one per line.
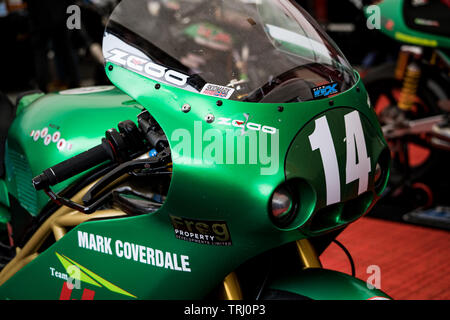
266, 278
263, 285
349, 256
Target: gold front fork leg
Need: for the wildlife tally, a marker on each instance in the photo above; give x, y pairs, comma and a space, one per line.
308, 255
231, 289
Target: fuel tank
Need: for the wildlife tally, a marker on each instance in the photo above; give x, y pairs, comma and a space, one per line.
56, 127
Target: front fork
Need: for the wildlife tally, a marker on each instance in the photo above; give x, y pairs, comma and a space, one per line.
231, 289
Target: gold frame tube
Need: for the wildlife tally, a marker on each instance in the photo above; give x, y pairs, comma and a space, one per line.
57, 223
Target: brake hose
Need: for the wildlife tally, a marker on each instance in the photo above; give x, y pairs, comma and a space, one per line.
349, 256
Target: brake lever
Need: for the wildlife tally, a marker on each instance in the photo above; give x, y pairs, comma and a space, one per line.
62, 201
161, 158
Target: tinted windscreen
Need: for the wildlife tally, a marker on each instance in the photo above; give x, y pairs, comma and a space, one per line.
246, 50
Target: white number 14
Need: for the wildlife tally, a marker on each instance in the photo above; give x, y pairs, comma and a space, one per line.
358, 163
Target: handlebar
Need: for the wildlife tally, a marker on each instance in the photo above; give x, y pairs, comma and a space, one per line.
117, 147
73, 166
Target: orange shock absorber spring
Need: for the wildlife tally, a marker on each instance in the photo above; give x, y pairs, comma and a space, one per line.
410, 85
402, 63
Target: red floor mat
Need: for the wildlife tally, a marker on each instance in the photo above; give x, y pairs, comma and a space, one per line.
414, 261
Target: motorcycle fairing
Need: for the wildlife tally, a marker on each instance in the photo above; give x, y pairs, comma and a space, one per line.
323, 284
237, 194
54, 128
225, 46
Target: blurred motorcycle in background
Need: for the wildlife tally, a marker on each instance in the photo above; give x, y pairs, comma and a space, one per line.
412, 99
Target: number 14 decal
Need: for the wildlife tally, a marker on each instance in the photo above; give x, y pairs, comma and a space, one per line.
358, 163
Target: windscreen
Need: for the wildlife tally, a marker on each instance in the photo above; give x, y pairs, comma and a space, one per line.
244, 50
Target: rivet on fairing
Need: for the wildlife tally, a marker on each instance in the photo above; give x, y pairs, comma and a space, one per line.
209, 118
186, 108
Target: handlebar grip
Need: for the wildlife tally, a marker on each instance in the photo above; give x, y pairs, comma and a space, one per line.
73, 166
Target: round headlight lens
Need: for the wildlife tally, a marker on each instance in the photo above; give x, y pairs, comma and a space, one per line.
281, 203
283, 206
378, 175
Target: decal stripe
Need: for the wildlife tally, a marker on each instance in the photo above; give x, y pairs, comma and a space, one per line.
65, 292
99, 279
84, 277
88, 294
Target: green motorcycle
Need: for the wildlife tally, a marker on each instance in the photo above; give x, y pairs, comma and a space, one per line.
239, 143
411, 95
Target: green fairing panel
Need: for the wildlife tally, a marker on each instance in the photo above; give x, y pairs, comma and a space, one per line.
28, 99
323, 284
393, 25
236, 195
56, 127
247, 185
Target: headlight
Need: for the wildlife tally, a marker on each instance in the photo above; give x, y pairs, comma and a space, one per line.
282, 207
378, 175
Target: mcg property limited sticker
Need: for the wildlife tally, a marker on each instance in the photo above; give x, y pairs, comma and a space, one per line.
201, 231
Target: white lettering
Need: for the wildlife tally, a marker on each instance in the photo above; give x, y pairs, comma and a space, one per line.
127, 250
135, 63
119, 246
100, 243
83, 239
136, 252
175, 261
168, 261
108, 246
155, 70
150, 259
148, 68
92, 244
185, 263
142, 254
118, 56
159, 258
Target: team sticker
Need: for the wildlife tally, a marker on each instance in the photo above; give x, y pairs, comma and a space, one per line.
325, 90
207, 232
48, 138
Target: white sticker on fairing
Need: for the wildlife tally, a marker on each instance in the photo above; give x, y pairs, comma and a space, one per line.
147, 68
87, 90
215, 90
378, 298
245, 124
132, 251
48, 138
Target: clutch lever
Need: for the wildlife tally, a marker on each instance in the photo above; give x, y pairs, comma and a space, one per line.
91, 206
161, 158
